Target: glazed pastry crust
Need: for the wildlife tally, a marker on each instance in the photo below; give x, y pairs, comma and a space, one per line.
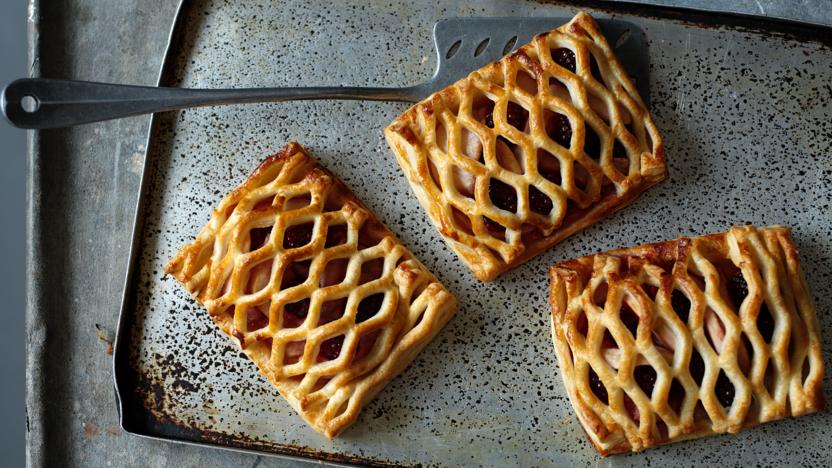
775, 370
429, 141
220, 267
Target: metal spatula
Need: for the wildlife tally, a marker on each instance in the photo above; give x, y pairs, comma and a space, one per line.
462, 45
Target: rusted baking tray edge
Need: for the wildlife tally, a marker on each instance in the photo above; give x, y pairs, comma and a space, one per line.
136, 420
131, 418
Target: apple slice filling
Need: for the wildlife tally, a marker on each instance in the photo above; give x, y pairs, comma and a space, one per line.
293, 351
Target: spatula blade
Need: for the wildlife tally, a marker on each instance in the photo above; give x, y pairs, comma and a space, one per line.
466, 44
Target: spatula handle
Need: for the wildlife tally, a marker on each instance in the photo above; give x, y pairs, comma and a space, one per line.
38, 103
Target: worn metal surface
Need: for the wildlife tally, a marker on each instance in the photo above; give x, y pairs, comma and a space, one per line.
746, 123
732, 104
808, 11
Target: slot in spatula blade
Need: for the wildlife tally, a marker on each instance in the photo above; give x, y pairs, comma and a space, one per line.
467, 44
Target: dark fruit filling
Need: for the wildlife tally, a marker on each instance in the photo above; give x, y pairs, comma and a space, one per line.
618, 150
258, 237
645, 378
297, 236
295, 313
597, 386
724, 390
559, 129
332, 310
594, 69
765, 323
608, 342
494, 228
676, 396
461, 220
681, 304
330, 349
539, 202
629, 318
548, 166
599, 297
371, 270
737, 288
565, 58
592, 144
486, 110
489, 119
334, 272
369, 235
502, 195
696, 367
295, 274
336, 235
369, 306
516, 115
582, 324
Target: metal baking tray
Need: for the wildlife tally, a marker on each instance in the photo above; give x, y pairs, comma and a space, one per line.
741, 102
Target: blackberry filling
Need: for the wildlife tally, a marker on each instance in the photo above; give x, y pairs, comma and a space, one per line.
645, 378
559, 129
297, 236
565, 58
539, 202
724, 390
503, 195
681, 304
516, 116
330, 349
369, 306
597, 386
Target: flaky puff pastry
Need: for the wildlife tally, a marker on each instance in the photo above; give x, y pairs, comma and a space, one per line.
313, 287
529, 149
686, 338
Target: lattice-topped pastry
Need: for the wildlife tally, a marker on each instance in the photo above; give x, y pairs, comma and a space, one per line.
529, 149
686, 338
315, 289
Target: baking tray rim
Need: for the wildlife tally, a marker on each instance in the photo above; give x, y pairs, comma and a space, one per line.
704, 18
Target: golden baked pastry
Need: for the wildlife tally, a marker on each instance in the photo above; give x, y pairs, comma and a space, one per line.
529, 149
313, 287
686, 338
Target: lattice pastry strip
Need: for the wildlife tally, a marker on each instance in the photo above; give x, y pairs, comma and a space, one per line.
686, 338
315, 289
529, 149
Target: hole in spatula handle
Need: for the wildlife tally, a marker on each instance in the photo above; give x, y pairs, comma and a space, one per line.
29, 103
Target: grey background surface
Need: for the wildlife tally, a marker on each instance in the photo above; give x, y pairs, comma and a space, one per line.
136, 30
809, 11
12, 194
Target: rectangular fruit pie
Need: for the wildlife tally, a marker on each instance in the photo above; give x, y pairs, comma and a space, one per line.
313, 287
529, 149
686, 338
